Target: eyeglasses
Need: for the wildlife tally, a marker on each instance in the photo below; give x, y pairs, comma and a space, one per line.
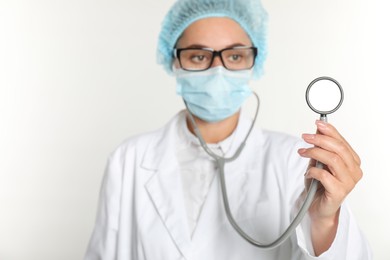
200, 59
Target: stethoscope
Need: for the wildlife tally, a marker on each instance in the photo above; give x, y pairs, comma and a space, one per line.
318, 89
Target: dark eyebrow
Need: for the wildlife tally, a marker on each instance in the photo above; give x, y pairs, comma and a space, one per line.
200, 46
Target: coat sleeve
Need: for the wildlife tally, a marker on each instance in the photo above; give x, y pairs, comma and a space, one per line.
349, 243
103, 242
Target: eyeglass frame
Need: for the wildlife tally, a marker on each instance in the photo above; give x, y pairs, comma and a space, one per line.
177, 51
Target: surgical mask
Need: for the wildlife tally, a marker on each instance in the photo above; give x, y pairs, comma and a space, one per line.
213, 94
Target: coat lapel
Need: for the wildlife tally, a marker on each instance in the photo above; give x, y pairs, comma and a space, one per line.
165, 189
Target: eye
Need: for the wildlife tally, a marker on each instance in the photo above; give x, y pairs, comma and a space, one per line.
198, 58
235, 57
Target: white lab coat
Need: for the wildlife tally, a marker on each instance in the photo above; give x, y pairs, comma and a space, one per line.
142, 216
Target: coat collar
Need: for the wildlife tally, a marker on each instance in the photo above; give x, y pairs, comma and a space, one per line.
162, 148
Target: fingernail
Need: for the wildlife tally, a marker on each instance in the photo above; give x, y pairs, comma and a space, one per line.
302, 151
308, 136
321, 124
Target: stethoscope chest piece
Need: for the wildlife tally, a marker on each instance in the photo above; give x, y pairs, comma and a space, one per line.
324, 95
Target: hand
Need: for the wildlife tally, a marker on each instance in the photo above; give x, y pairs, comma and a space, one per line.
338, 178
341, 173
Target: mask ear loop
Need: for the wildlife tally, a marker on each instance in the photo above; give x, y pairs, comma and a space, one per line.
221, 168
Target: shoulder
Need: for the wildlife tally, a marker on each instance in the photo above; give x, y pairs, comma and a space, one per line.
279, 146
141, 143
279, 140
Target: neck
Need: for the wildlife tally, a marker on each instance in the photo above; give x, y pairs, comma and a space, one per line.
215, 132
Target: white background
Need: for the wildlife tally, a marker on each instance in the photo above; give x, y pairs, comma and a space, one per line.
79, 76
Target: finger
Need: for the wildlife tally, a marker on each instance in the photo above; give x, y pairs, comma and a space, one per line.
332, 161
333, 187
334, 164
332, 145
328, 181
329, 130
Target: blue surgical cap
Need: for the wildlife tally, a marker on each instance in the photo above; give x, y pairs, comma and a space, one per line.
248, 13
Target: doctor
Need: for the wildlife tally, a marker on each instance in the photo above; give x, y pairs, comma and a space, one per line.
160, 197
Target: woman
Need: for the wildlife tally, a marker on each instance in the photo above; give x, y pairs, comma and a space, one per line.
160, 197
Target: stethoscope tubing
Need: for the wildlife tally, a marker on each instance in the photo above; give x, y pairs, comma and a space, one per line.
220, 160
